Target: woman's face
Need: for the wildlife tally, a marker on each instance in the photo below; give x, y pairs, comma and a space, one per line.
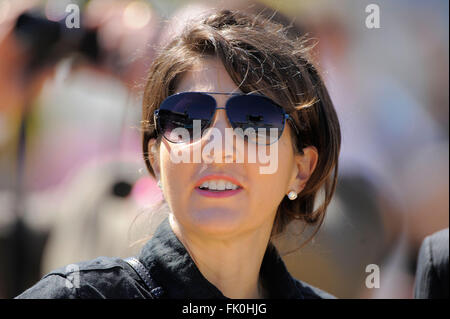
255, 205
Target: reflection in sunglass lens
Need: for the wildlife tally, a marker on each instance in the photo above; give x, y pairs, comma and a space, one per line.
254, 116
179, 112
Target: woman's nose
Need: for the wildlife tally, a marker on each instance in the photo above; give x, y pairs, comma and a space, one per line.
220, 148
220, 120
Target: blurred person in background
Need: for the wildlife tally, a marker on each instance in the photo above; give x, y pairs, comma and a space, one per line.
94, 214
20, 82
83, 86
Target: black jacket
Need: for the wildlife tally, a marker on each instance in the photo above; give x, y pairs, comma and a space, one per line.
171, 267
432, 279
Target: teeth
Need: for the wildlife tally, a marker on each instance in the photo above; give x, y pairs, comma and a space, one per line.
213, 185
221, 185
218, 185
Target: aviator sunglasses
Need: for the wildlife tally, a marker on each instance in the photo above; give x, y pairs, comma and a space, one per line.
244, 111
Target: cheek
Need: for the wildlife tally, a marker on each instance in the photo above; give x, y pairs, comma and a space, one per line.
280, 159
176, 178
269, 189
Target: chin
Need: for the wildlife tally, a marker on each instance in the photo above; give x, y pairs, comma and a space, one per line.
217, 222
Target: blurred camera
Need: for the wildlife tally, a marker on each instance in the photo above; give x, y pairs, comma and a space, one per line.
46, 42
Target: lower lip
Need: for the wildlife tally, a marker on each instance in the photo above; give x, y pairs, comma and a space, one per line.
217, 194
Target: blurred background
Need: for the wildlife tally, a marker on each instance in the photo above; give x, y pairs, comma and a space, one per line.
73, 184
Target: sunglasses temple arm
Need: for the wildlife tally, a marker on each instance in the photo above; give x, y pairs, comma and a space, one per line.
290, 119
155, 120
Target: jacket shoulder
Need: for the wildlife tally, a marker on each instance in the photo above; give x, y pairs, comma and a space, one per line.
102, 277
432, 267
311, 292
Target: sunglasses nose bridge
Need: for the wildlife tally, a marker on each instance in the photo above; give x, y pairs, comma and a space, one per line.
220, 119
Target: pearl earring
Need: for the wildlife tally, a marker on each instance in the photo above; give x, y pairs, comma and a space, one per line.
292, 195
159, 184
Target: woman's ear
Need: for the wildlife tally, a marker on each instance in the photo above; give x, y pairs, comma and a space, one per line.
153, 157
304, 167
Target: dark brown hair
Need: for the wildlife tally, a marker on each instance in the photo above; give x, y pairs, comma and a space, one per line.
259, 57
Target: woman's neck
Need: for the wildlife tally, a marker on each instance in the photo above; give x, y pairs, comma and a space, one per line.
231, 265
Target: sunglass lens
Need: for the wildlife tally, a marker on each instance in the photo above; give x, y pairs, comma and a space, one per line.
256, 118
178, 112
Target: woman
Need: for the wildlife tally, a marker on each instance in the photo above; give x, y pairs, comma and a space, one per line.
227, 197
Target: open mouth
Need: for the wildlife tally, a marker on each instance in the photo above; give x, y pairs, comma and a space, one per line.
218, 186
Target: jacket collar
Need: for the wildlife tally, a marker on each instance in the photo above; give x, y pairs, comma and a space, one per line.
172, 267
